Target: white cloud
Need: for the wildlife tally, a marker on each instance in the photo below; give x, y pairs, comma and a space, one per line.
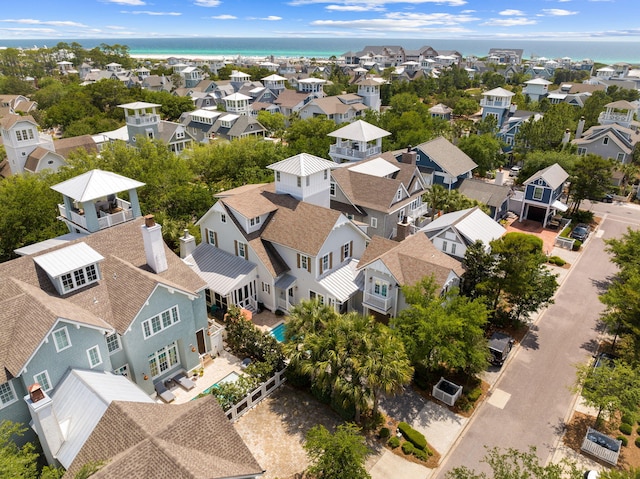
29, 30
354, 8
54, 23
207, 3
403, 22
512, 13
148, 12
271, 18
131, 3
451, 3
509, 22
225, 17
558, 12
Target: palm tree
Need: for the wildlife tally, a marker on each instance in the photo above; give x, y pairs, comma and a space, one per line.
436, 198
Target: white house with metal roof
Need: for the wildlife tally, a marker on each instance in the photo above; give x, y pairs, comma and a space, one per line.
356, 141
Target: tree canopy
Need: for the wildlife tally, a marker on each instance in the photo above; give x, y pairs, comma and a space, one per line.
340, 455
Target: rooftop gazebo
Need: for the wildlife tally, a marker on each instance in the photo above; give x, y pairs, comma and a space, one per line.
91, 202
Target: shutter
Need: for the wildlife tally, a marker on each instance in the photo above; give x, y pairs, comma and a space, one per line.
206, 234
298, 258
246, 251
320, 265
235, 245
350, 248
215, 238
308, 264
342, 254
330, 260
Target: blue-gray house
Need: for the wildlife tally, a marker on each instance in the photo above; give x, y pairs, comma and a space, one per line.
443, 163
116, 300
542, 194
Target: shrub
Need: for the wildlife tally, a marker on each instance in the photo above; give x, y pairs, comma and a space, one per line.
420, 454
384, 432
576, 245
623, 439
474, 395
566, 232
393, 442
637, 441
582, 216
408, 448
628, 419
626, 428
413, 436
557, 260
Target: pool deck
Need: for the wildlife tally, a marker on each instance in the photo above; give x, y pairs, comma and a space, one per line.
214, 371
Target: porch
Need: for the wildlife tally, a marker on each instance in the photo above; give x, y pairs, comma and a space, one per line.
109, 214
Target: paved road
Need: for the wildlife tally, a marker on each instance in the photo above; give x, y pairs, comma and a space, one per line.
530, 401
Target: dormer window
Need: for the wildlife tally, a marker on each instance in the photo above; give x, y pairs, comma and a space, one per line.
179, 134
72, 267
255, 221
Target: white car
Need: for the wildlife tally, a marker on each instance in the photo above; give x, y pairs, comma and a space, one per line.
515, 170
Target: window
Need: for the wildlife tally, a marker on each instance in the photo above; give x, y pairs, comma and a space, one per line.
537, 193
374, 222
605, 140
163, 360
399, 194
94, 356
453, 248
24, 135
326, 264
61, 338
277, 176
241, 250
78, 278
346, 250
266, 287
212, 238
304, 262
223, 217
299, 182
255, 221
380, 288
43, 380
122, 370
113, 343
7, 394
620, 157
179, 134
326, 174
313, 295
444, 246
582, 151
160, 322
308, 180
332, 189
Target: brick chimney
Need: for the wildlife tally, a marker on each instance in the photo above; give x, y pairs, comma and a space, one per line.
409, 157
187, 244
402, 229
45, 422
154, 247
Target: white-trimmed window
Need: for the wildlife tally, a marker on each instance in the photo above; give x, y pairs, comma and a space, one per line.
326, 263
380, 288
223, 217
538, 193
7, 394
346, 250
163, 360
313, 295
212, 238
43, 380
241, 250
332, 189
605, 140
620, 157
61, 339
374, 222
444, 246
326, 174
299, 181
266, 288
78, 278
304, 262
453, 248
122, 370
113, 343
95, 359
254, 221
582, 151
160, 322
277, 176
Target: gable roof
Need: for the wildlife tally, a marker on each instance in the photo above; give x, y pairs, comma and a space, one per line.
359, 131
487, 193
553, 175
449, 157
472, 223
140, 440
65, 146
411, 260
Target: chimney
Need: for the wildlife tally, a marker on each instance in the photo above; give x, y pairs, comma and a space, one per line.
501, 176
45, 422
154, 247
566, 137
409, 157
580, 128
402, 229
187, 244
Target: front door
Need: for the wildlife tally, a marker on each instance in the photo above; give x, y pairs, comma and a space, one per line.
202, 348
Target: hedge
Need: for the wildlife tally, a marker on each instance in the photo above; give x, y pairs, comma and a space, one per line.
474, 395
626, 428
393, 442
410, 434
420, 454
384, 432
637, 441
557, 260
628, 419
623, 439
408, 448
576, 245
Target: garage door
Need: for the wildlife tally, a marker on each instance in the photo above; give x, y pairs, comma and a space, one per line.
536, 214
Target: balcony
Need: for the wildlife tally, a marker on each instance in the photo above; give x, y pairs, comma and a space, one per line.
379, 303
121, 213
355, 153
615, 117
506, 103
143, 120
416, 213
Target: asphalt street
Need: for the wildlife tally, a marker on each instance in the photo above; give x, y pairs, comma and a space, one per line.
532, 399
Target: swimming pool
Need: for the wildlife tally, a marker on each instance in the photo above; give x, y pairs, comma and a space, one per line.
229, 378
278, 332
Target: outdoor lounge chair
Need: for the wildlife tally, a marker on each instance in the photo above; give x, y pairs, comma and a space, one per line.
184, 381
163, 392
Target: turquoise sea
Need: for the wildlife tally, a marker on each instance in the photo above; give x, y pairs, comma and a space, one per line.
600, 51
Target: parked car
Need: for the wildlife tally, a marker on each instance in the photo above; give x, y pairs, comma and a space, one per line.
515, 170
608, 198
604, 359
500, 345
580, 232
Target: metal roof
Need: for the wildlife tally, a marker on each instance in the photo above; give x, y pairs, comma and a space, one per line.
68, 259
342, 283
375, 167
472, 223
359, 131
222, 271
48, 244
95, 184
139, 105
81, 399
303, 164
498, 92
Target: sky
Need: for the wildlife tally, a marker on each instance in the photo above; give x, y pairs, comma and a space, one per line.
576, 20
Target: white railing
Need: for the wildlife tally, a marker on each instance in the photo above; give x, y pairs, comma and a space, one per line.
353, 153
284, 305
254, 397
143, 120
378, 302
496, 103
421, 210
614, 116
446, 391
105, 220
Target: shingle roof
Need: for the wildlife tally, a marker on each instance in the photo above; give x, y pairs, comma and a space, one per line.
30, 304
194, 440
553, 175
487, 193
65, 146
411, 260
449, 157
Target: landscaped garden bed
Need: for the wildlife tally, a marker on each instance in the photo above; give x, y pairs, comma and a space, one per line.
392, 438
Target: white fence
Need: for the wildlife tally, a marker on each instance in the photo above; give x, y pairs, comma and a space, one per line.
255, 396
601, 446
446, 391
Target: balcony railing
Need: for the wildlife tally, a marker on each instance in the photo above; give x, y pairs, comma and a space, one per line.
284, 305
614, 116
377, 302
421, 210
353, 153
143, 120
496, 103
120, 214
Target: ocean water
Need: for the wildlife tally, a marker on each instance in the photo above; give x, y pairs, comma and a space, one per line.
600, 51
